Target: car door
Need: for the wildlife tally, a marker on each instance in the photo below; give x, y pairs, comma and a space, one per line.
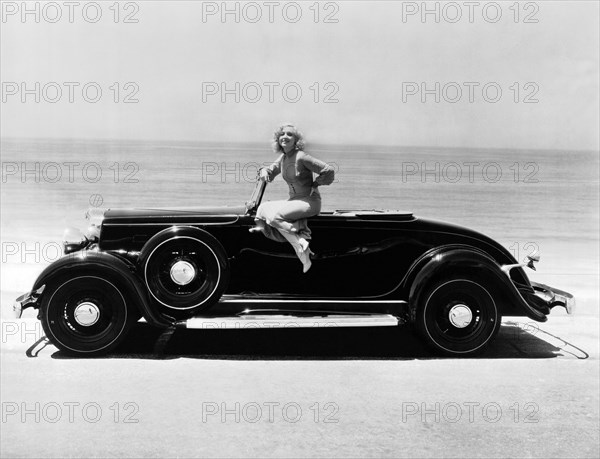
353, 258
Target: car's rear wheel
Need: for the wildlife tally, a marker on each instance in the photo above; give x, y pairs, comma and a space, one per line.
86, 315
185, 269
458, 317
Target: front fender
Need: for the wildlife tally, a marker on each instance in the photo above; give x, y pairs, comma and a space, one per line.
465, 260
103, 262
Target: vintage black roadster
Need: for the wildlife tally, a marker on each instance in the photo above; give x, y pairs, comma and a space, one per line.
202, 268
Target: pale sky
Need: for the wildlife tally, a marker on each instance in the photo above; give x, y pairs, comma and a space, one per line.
372, 63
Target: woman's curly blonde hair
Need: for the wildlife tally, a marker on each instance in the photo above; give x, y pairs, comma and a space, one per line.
297, 135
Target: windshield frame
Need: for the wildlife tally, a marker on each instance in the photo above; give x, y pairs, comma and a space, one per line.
256, 197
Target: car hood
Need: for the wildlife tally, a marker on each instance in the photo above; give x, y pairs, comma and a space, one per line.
174, 214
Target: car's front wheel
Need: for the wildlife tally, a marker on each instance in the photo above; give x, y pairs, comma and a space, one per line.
458, 317
86, 315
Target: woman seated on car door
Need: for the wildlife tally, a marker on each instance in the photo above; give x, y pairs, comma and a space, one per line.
288, 218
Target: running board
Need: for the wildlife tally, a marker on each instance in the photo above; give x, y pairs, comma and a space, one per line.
235, 299
235, 305
249, 321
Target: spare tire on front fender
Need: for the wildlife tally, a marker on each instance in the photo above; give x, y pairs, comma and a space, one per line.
185, 270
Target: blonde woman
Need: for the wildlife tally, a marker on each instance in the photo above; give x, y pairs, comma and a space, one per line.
288, 218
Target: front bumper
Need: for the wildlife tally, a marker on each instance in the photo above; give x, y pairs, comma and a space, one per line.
27, 300
554, 297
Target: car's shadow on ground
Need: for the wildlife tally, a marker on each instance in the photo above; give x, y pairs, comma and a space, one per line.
514, 341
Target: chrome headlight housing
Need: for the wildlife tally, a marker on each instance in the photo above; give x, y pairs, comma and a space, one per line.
74, 240
94, 216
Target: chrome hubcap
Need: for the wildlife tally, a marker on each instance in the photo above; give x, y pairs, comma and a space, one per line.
182, 272
87, 314
460, 315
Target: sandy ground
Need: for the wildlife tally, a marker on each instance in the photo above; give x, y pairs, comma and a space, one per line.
305, 393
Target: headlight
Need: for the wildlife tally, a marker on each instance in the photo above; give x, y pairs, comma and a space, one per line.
94, 216
93, 233
73, 240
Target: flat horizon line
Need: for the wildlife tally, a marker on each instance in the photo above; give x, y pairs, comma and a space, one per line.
267, 144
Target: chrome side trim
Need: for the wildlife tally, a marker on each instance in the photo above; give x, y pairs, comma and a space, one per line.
194, 224
250, 321
299, 300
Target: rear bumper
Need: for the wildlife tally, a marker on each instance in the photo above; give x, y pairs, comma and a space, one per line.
554, 297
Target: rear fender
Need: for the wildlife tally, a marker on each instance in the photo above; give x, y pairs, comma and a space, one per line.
469, 261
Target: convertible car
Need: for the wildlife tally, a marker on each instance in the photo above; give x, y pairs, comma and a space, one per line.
202, 268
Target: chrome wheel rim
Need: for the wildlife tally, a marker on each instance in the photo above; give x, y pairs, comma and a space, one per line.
182, 272
460, 315
86, 314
